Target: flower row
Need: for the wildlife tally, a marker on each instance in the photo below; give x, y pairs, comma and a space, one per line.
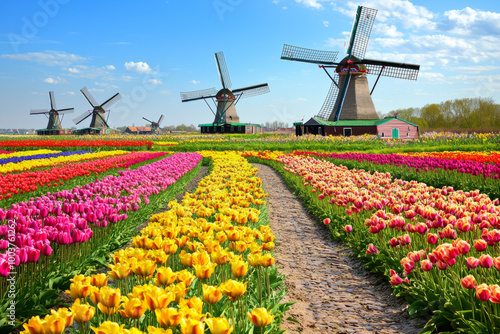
25, 165
74, 143
187, 268
484, 157
18, 159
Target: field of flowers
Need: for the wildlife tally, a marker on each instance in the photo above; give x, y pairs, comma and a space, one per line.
73, 212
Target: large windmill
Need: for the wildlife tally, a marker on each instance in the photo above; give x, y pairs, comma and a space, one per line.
349, 97
98, 123
225, 99
54, 126
155, 126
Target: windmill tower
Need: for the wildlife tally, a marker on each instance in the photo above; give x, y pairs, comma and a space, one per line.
54, 126
98, 124
155, 126
225, 100
349, 97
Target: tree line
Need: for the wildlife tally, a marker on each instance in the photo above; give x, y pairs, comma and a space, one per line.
480, 113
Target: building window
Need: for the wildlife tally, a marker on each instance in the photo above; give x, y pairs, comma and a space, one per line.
232, 128
383, 135
239, 128
347, 132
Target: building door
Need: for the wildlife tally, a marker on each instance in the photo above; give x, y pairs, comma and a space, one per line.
347, 132
395, 133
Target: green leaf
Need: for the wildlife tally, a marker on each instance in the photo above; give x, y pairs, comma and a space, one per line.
293, 320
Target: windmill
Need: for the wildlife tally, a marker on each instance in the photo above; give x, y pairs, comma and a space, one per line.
98, 122
349, 97
225, 99
155, 126
54, 125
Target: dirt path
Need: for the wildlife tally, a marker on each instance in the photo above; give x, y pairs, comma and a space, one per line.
333, 293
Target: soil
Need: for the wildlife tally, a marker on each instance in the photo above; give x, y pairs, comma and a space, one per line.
332, 292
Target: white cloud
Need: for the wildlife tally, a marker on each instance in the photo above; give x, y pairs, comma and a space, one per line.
105, 85
386, 30
194, 82
54, 81
326, 23
69, 93
284, 7
311, 3
155, 82
89, 72
139, 67
49, 58
99, 90
110, 67
475, 69
73, 70
470, 22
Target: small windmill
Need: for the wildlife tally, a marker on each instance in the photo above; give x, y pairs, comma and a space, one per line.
98, 111
349, 97
53, 114
225, 99
155, 126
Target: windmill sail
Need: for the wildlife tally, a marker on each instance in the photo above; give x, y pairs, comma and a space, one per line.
223, 71
252, 90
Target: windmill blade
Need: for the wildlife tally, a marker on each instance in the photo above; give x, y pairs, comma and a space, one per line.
38, 111
223, 72
112, 100
327, 107
295, 53
147, 120
198, 94
361, 30
52, 100
160, 120
82, 116
88, 96
252, 90
392, 69
66, 111
342, 96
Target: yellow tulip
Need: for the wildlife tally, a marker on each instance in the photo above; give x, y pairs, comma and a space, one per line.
155, 330
219, 326
168, 317
239, 268
182, 241
165, 276
133, 308
266, 260
239, 246
192, 326
221, 237
254, 260
186, 258
34, 326
144, 268
108, 327
233, 289
211, 294
158, 256
53, 324
66, 315
107, 310
180, 291
204, 271
79, 289
99, 280
83, 312
221, 257
260, 317
185, 277
110, 297
194, 303
119, 271
133, 330
158, 299
268, 246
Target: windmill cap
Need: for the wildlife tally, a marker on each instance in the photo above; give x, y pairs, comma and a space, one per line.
350, 61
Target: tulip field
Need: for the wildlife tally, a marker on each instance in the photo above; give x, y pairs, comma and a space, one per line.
99, 235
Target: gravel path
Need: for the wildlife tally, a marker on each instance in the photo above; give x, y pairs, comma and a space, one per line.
333, 293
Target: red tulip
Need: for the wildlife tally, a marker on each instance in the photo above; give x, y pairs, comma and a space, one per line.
326, 221
483, 292
372, 249
468, 282
348, 228
426, 265
480, 245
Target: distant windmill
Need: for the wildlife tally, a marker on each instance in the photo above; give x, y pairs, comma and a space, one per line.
98, 111
349, 97
155, 126
225, 99
53, 114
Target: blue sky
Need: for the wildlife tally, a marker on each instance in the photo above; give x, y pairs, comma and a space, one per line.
150, 51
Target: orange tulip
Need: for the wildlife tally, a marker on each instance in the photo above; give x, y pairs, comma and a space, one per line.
79, 289
66, 315
110, 297
34, 326
54, 324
